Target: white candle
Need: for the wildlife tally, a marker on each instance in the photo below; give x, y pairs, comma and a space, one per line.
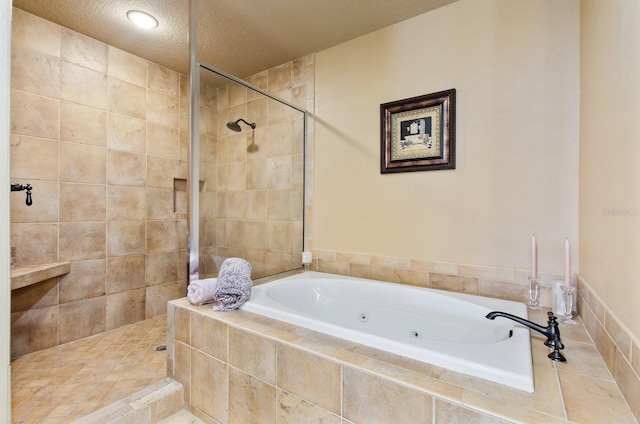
534, 258
567, 263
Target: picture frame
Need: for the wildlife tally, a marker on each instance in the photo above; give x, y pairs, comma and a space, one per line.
418, 134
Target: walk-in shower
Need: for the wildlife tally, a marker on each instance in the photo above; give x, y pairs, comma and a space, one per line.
248, 201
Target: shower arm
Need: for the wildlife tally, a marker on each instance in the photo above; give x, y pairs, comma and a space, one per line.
20, 187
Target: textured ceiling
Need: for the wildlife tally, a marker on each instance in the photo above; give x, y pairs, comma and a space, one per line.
241, 37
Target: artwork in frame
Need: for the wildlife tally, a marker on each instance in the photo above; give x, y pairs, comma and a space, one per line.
418, 134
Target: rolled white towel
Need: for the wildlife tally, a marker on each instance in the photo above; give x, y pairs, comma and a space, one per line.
200, 292
234, 284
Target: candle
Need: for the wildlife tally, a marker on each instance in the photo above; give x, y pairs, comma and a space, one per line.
534, 258
567, 263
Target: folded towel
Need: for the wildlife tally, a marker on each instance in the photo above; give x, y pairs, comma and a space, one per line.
234, 284
200, 292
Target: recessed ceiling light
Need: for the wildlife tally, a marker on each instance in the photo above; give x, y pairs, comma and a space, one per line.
142, 19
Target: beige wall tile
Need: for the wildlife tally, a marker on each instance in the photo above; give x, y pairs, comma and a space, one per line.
333, 267
34, 158
125, 308
236, 176
156, 297
250, 399
82, 164
257, 235
45, 202
34, 115
279, 112
35, 243
299, 69
162, 267
368, 271
127, 99
508, 291
257, 174
605, 346
295, 369
278, 205
182, 368
280, 77
253, 354
126, 133
259, 80
235, 234
125, 238
257, 111
162, 236
34, 330
30, 31
162, 109
279, 237
82, 240
160, 203
161, 172
126, 203
581, 392
280, 139
620, 337
236, 204
182, 325
163, 79
82, 202
83, 85
126, 168
162, 141
407, 276
237, 95
83, 124
293, 410
372, 399
126, 67
85, 280
84, 51
439, 267
629, 384
453, 283
125, 273
35, 72
204, 370
487, 273
82, 319
279, 173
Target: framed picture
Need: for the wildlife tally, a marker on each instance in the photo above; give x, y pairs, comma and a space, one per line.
418, 134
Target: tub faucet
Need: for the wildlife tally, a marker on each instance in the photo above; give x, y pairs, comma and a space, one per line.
551, 331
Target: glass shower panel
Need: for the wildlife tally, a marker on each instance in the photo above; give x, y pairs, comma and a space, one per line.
251, 178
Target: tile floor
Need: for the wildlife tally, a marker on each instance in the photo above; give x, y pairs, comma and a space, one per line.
69, 381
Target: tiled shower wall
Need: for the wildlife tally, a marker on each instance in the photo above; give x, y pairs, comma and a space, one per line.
252, 198
102, 136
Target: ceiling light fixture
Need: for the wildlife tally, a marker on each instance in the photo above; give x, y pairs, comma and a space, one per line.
142, 19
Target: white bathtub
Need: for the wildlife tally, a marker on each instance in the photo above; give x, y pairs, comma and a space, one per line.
442, 328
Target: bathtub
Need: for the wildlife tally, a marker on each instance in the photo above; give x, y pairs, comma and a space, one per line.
443, 328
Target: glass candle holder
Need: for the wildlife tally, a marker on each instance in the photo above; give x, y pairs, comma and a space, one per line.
534, 293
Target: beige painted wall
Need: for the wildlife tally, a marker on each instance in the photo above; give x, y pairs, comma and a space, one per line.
610, 155
515, 66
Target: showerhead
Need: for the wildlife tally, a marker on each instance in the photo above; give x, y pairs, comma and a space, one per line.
235, 126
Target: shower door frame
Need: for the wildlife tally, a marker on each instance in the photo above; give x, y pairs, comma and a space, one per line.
193, 242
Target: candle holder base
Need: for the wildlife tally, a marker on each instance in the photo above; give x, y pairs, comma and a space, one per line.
534, 293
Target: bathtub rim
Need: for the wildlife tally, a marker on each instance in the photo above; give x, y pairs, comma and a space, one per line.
522, 379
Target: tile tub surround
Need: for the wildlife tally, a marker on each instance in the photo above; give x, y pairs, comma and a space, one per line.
229, 360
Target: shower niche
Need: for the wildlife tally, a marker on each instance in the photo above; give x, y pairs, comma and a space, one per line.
251, 170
